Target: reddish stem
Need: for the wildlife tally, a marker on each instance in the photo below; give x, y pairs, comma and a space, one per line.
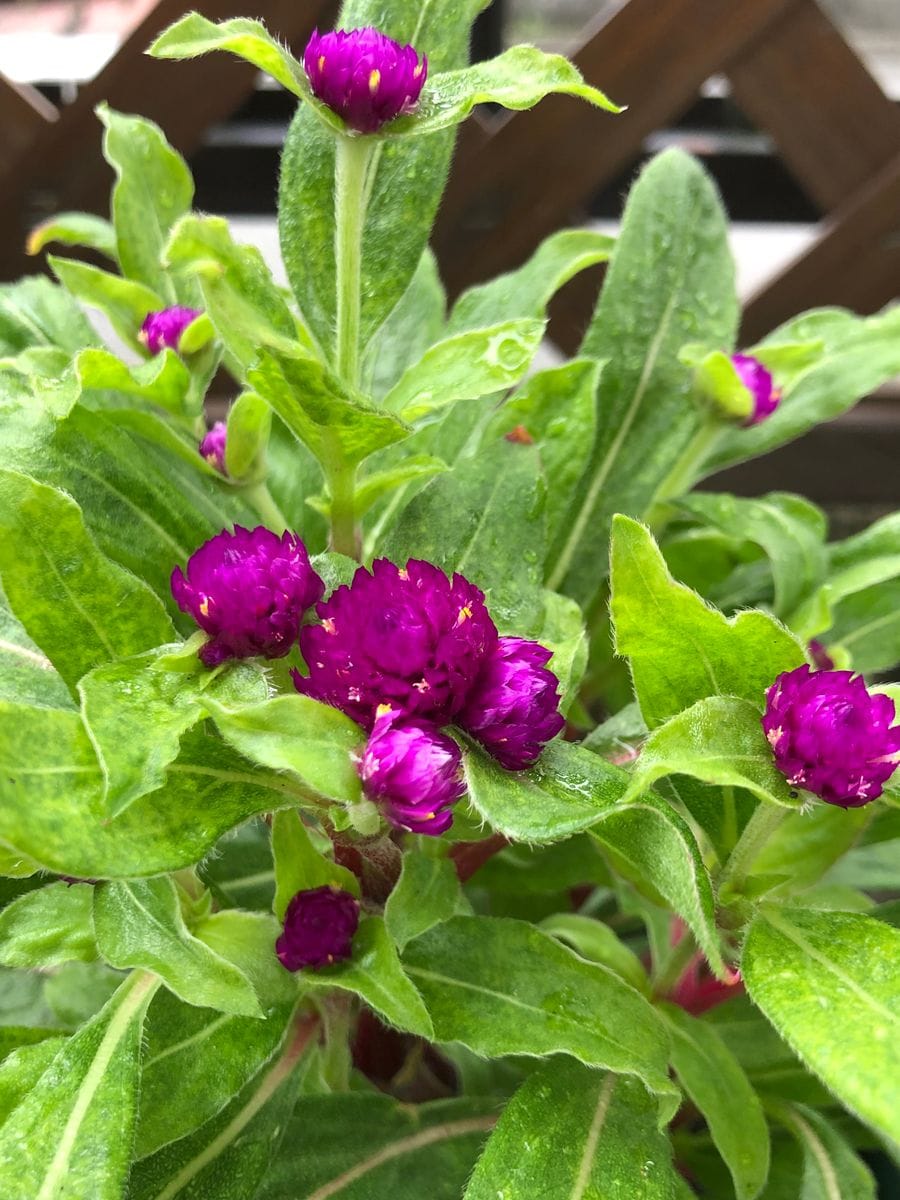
469, 857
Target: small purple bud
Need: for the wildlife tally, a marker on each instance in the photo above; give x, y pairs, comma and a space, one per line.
822, 660
319, 925
413, 771
213, 446
408, 637
248, 590
513, 708
365, 77
831, 736
759, 383
164, 328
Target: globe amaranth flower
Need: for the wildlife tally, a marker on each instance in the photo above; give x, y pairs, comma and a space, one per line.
212, 447
408, 637
319, 925
831, 736
164, 329
413, 772
248, 590
513, 709
759, 383
365, 77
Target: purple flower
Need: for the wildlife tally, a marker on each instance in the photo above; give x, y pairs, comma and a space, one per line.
365, 77
831, 736
413, 771
758, 381
822, 660
213, 446
248, 590
513, 708
408, 637
319, 925
165, 328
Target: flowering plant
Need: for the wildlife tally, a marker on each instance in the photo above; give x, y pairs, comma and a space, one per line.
413, 786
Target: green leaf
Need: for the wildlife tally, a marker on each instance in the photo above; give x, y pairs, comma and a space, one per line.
124, 301
295, 733
373, 487
164, 380
37, 312
316, 406
679, 649
299, 866
49, 926
153, 189
372, 1145
867, 627
569, 789
22, 1068
228, 1156
670, 281
375, 974
527, 291
211, 1055
80, 608
426, 893
26, 675
475, 363
500, 986
138, 923
247, 438
718, 740
74, 229
77, 991
570, 1132
808, 842
486, 520
406, 179
562, 631
247, 940
715, 1082
239, 872
789, 529
416, 323
831, 1171
136, 714
596, 942
717, 382
650, 845
517, 79
829, 983
80, 1113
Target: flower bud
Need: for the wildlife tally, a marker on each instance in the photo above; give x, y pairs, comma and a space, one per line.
213, 446
822, 660
413, 772
164, 329
365, 77
319, 925
248, 590
759, 383
513, 709
831, 736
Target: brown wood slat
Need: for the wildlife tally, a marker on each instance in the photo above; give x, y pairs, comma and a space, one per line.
856, 261
834, 126
511, 189
24, 117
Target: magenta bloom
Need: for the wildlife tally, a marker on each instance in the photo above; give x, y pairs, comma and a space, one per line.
365, 77
413, 771
213, 446
161, 329
408, 637
248, 590
831, 736
319, 925
758, 381
513, 708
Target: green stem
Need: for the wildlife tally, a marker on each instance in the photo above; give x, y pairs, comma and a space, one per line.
342, 486
352, 156
686, 471
729, 819
757, 832
261, 499
674, 966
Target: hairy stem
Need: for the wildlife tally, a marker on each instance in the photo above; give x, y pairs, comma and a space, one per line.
685, 472
351, 163
757, 832
261, 499
673, 967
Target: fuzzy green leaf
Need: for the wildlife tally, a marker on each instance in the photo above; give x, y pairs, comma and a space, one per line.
596, 942
75, 229
830, 1168
49, 926
426, 893
37, 312
124, 301
299, 866
26, 675
164, 380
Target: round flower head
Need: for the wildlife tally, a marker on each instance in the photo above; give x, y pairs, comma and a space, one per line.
413, 771
513, 708
319, 925
213, 446
164, 329
408, 637
365, 77
831, 736
758, 382
248, 590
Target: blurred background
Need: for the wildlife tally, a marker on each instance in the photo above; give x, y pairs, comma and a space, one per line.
793, 106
